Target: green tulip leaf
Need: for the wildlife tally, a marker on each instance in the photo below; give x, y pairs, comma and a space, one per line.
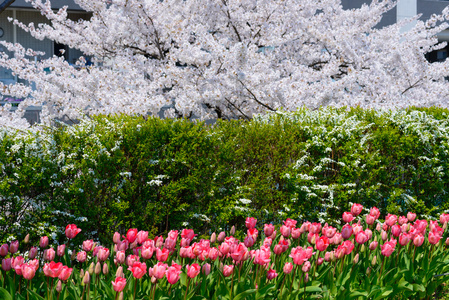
4, 294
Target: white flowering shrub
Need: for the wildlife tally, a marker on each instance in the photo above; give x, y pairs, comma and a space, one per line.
121, 172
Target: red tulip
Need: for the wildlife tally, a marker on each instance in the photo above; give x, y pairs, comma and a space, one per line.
299, 255
268, 229
162, 255
434, 238
250, 223
71, 231
396, 230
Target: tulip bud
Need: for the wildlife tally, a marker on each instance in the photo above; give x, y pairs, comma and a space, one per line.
313, 240
447, 240
445, 226
363, 248
119, 272
221, 237
73, 256
373, 262
120, 296
368, 271
232, 232
213, 238
59, 286
91, 268
26, 240
306, 278
116, 238
105, 269
206, 269
81, 273
356, 259
221, 267
86, 278
97, 268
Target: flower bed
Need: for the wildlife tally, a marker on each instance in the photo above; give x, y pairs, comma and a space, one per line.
402, 257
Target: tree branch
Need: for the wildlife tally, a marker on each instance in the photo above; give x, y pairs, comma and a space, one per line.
5, 5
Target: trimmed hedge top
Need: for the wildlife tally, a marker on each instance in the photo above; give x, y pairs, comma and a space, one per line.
114, 173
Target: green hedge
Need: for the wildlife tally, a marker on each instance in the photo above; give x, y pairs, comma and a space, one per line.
114, 173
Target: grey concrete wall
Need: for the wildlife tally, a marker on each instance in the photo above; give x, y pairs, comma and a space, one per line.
429, 7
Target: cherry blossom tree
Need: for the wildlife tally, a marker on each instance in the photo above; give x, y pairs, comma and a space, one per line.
226, 59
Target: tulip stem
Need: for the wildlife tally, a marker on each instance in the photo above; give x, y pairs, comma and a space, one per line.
187, 289
135, 288
116, 295
293, 277
28, 290
381, 268
232, 284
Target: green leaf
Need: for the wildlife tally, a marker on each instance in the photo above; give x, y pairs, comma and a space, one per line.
35, 296
419, 287
4, 295
358, 293
244, 294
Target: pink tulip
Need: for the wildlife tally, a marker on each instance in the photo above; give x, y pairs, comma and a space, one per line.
228, 270
87, 245
162, 255
349, 247
65, 273
138, 269
387, 248
43, 243
268, 229
172, 274
49, 254
361, 237
404, 239
28, 271
34, 263
262, 256
205, 269
221, 237
250, 223
213, 253
170, 244
71, 231
119, 284
315, 228
4, 249
346, 231
319, 261
288, 267
418, 240
330, 232
374, 211
193, 270
14, 247
32, 253
52, 269
306, 266
271, 274
103, 254
81, 256
131, 235
347, 217
239, 253
60, 251
159, 270
7, 264
396, 230
434, 238
322, 243
189, 234
147, 251
131, 259
370, 219
390, 220
142, 236
289, 223
299, 255
411, 216
328, 256
373, 245
285, 231
224, 249
402, 220
356, 228
115, 238
356, 209
337, 239
384, 235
